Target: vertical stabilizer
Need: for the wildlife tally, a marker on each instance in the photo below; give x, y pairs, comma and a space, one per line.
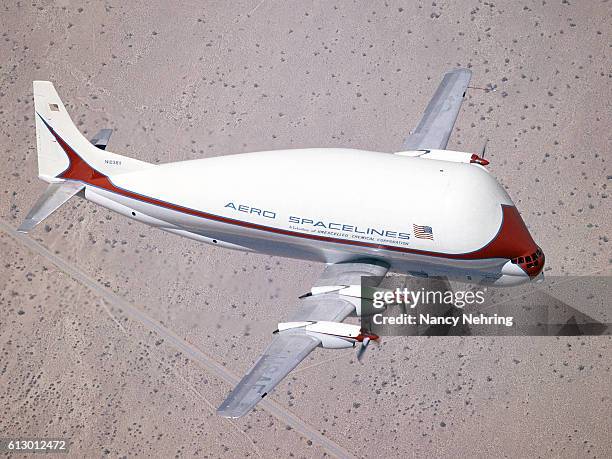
56, 134
52, 160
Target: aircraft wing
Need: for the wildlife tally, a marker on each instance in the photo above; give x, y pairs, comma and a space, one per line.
283, 354
290, 347
436, 125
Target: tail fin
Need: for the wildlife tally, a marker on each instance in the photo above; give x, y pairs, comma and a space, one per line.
57, 138
66, 159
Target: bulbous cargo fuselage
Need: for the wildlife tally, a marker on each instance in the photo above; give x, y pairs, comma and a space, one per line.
421, 216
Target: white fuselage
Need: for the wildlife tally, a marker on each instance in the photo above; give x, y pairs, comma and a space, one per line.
328, 205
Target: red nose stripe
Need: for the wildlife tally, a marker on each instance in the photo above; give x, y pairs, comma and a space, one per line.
513, 238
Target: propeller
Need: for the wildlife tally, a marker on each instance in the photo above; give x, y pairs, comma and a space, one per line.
479, 159
367, 338
484, 148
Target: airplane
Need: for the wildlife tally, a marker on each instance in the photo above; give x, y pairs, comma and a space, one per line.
423, 211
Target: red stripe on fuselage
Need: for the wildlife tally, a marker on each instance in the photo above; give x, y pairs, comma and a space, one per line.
512, 240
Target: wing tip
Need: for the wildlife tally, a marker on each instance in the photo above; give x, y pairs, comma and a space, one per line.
460, 70
460, 75
27, 226
233, 412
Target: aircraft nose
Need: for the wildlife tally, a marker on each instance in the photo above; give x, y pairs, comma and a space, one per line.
531, 263
514, 242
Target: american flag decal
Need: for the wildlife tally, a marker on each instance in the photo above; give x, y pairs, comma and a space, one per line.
423, 232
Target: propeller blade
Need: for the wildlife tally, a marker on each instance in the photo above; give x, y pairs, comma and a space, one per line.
362, 349
484, 149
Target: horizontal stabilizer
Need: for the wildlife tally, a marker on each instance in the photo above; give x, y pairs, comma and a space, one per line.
53, 197
101, 139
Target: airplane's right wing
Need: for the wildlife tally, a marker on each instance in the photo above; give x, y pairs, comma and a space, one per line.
290, 347
437, 122
283, 354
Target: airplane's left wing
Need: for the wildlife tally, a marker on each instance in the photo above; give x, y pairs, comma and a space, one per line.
436, 125
289, 348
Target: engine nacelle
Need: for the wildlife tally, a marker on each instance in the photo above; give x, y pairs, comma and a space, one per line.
446, 155
335, 328
333, 342
333, 335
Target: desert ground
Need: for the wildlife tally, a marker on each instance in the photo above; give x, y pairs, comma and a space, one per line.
125, 339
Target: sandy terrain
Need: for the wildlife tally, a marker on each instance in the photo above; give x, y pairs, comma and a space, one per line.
209, 79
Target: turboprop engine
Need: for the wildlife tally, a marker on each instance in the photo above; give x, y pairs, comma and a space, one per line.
447, 155
332, 335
